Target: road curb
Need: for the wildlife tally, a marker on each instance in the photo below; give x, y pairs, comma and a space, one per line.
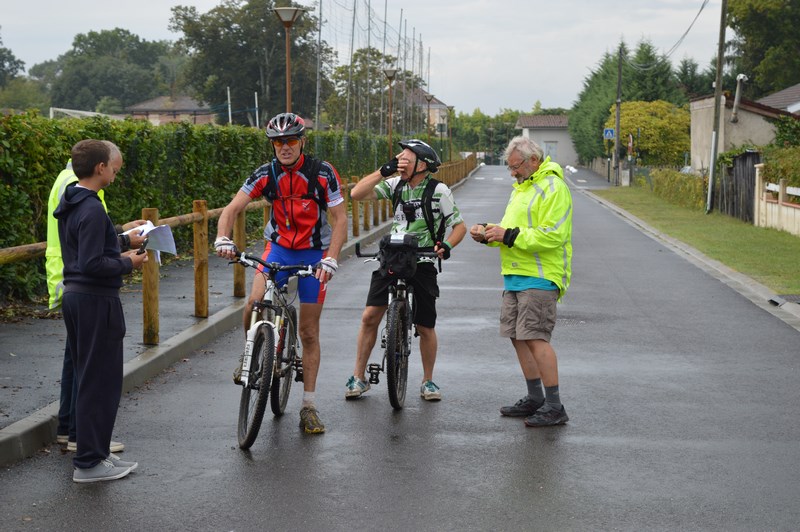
27, 436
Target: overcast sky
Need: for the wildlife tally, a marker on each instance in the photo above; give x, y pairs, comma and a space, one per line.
487, 54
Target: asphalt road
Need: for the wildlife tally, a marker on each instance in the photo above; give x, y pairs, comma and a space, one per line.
682, 396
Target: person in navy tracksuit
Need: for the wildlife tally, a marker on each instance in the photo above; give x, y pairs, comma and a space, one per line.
93, 270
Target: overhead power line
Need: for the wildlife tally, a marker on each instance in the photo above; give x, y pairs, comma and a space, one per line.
645, 67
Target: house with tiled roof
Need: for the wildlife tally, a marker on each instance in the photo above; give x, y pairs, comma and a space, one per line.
550, 132
751, 123
166, 109
787, 99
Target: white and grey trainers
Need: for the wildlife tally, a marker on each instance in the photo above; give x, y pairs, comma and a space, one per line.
114, 459
355, 387
430, 392
105, 470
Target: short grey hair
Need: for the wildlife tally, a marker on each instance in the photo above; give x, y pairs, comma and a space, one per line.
526, 148
113, 149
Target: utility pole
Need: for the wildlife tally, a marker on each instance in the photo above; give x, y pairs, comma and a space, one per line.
717, 102
616, 127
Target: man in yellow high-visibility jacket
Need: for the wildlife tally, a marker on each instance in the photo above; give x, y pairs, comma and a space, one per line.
535, 241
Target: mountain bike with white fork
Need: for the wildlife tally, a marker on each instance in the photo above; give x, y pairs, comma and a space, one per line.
272, 355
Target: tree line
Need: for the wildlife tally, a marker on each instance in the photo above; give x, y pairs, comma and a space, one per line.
240, 45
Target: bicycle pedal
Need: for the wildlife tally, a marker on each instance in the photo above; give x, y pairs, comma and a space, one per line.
374, 371
298, 375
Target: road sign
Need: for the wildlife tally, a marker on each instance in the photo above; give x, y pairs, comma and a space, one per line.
608, 133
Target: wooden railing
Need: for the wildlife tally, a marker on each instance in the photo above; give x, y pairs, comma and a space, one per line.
371, 214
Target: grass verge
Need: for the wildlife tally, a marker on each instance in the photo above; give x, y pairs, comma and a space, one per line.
769, 256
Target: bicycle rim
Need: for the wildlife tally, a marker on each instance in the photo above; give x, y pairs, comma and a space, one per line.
284, 368
254, 395
396, 354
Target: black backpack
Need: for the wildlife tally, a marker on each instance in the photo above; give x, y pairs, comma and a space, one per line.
427, 210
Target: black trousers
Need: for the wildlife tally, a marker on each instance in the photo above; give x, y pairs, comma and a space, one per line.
95, 330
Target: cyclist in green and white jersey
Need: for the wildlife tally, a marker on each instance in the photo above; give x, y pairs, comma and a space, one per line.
426, 215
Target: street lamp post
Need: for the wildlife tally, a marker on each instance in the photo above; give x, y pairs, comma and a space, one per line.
450, 132
288, 16
428, 97
491, 144
390, 74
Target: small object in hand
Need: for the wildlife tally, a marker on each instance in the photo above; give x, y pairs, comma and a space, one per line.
143, 247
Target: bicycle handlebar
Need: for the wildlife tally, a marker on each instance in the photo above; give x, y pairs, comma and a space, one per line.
246, 259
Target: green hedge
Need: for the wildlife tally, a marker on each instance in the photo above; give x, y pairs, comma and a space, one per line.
686, 190
166, 167
782, 163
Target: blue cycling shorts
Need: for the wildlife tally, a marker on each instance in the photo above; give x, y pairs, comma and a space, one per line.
309, 288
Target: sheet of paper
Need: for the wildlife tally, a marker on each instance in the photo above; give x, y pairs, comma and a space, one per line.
159, 238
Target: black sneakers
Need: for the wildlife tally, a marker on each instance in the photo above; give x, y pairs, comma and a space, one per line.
524, 407
547, 416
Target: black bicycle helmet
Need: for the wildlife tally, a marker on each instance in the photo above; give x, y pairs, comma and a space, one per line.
424, 153
286, 125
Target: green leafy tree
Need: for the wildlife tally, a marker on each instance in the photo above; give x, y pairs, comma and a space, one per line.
767, 44
660, 131
367, 87
10, 66
691, 80
590, 111
241, 45
646, 76
24, 93
110, 63
110, 106
87, 80
48, 71
471, 131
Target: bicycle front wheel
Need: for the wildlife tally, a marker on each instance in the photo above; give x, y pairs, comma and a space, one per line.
254, 395
396, 353
285, 363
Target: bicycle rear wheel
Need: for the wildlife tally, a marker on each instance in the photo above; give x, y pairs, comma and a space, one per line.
396, 353
285, 363
254, 395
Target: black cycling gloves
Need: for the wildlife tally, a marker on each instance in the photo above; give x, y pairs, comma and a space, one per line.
389, 168
509, 236
446, 246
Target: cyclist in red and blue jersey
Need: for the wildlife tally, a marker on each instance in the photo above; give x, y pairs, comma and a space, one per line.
302, 190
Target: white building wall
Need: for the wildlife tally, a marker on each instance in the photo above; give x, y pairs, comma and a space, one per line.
554, 140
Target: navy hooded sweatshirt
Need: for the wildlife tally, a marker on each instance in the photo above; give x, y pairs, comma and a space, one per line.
89, 245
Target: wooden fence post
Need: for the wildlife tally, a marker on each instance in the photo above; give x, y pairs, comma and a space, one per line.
240, 240
354, 207
200, 233
758, 203
150, 279
782, 201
